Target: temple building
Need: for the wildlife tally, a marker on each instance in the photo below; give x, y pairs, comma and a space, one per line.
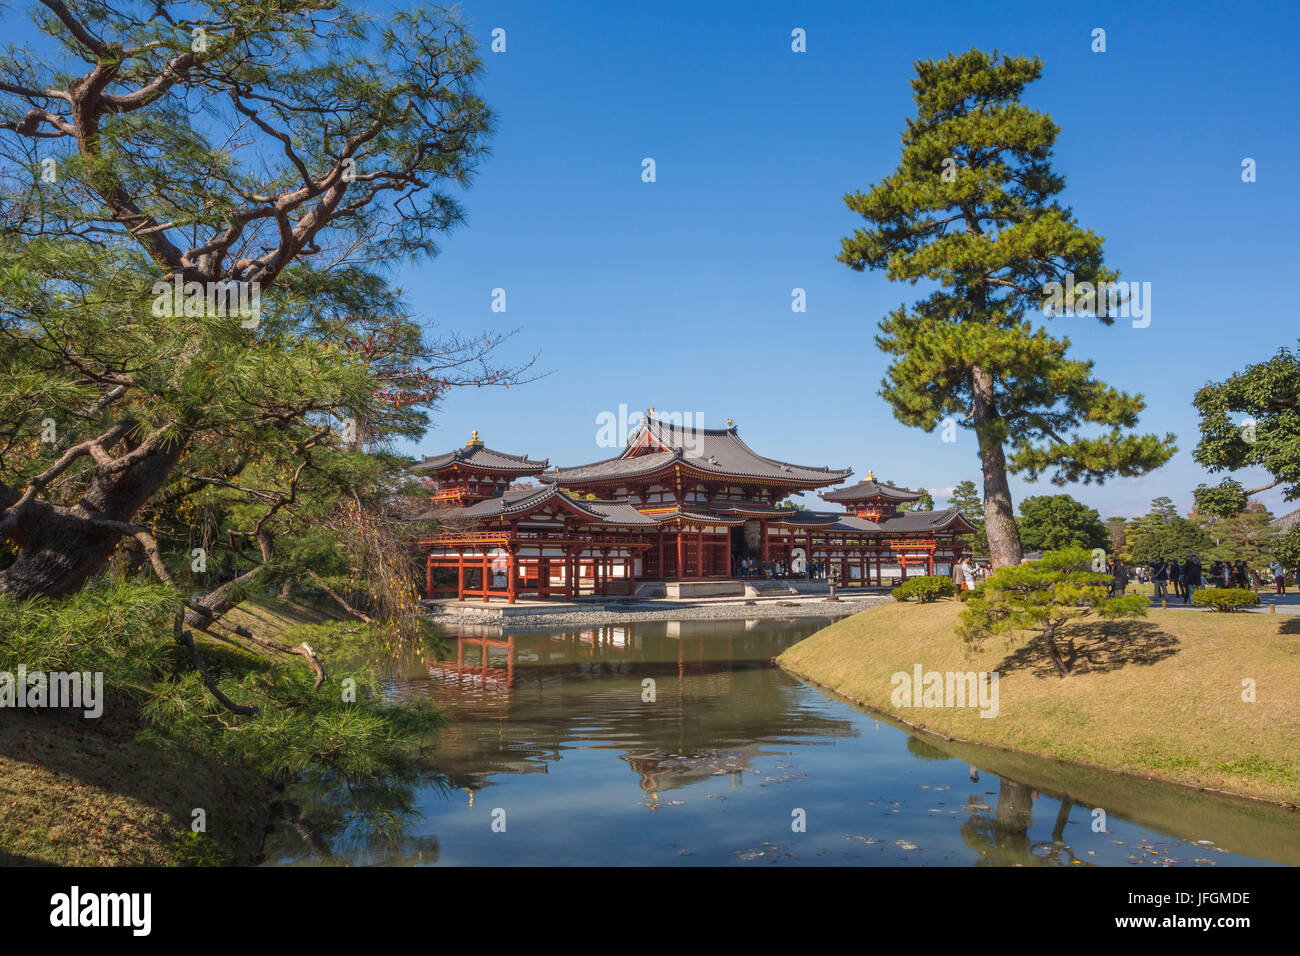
682, 505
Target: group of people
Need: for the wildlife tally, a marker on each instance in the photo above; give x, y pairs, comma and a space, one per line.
1187, 576
966, 574
753, 568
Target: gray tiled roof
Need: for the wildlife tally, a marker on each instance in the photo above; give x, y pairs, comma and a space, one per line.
870, 489
520, 500
706, 517
950, 519
479, 457
811, 519
1286, 522
717, 451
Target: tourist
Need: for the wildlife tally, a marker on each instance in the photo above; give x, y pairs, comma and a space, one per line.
1243, 576
967, 575
1176, 577
1192, 576
1118, 578
1279, 575
1160, 579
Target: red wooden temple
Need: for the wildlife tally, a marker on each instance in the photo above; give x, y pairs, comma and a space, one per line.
679, 504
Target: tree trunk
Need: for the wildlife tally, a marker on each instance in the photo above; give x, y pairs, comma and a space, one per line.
1054, 652
61, 547
999, 518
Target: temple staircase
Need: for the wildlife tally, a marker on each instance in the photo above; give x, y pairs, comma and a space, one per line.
761, 588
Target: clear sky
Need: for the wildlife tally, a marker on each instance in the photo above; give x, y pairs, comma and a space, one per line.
677, 293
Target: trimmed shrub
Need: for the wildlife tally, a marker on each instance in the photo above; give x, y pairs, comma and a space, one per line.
1225, 599
925, 589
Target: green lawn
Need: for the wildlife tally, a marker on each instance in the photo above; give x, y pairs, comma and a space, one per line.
1159, 696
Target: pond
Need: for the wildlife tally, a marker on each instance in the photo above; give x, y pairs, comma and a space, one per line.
681, 743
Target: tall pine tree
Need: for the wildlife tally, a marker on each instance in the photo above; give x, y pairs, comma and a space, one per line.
971, 207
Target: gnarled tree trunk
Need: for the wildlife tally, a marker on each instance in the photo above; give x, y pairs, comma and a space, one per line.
61, 546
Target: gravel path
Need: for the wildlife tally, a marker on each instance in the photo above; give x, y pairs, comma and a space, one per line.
677, 611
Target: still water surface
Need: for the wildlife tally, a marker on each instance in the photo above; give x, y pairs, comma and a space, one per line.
551, 735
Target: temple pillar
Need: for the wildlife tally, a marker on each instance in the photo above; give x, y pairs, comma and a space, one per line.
681, 553
460, 575
486, 573
512, 573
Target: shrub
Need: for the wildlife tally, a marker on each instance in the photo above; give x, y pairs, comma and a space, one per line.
1043, 598
1225, 599
925, 589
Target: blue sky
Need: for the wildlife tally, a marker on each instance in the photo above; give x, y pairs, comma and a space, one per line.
677, 293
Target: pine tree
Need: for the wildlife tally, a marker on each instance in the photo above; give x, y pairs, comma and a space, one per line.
193, 306
970, 207
966, 499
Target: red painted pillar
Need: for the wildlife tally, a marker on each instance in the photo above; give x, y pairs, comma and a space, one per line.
512, 572
486, 571
460, 575
428, 576
681, 554
543, 577
699, 553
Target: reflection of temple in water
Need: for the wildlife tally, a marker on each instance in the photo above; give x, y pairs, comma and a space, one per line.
682, 700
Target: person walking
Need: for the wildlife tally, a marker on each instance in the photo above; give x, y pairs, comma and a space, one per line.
1176, 577
1160, 579
1192, 577
1243, 576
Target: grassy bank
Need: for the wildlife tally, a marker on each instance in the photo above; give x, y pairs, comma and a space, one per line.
100, 792
77, 792
1160, 697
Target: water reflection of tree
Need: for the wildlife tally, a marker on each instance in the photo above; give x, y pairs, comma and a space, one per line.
325, 820
1002, 838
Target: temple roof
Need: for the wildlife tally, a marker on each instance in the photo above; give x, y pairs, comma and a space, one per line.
870, 489
702, 517
950, 519
1286, 522
911, 522
522, 500
657, 444
475, 455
